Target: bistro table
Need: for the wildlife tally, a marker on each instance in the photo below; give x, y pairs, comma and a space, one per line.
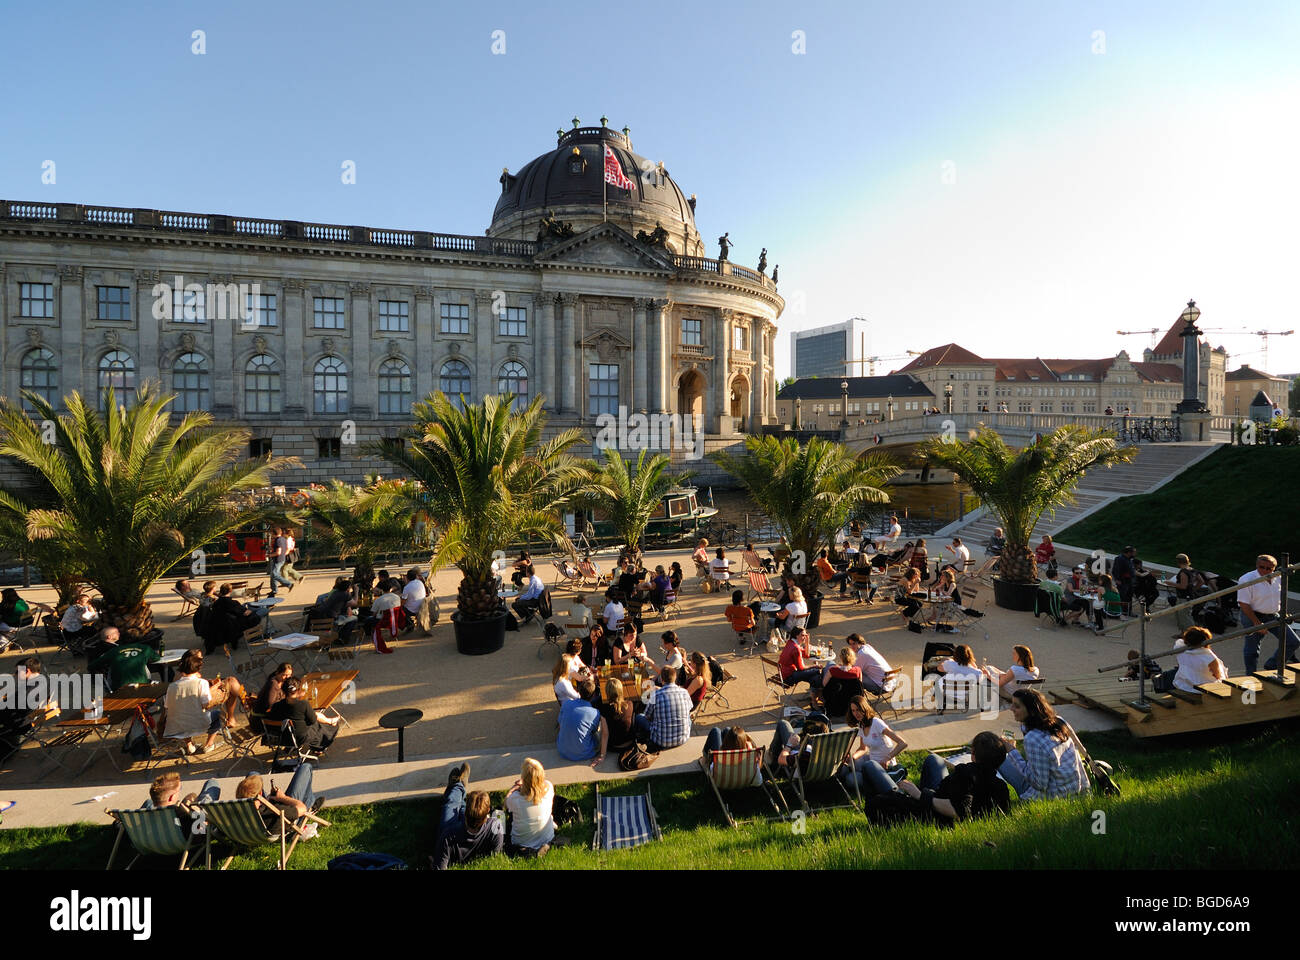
632, 676
940, 609
166, 664
399, 720
263, 606
771, 608
323, 689
307, 644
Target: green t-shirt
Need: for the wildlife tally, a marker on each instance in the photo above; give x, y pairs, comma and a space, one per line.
128, 664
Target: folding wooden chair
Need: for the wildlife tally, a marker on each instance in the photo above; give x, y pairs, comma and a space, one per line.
56, 745
243, 823
563, 578
773, 686
623, 822
860, 583
969, 610
752, 561
719, 677
671, 607
889, 683
828, 753
156, 832
189, 602
591, 575
735, 770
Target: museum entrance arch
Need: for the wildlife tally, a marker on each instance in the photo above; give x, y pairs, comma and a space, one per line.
690, 394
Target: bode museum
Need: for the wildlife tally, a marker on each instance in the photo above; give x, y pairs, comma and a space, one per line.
590, 288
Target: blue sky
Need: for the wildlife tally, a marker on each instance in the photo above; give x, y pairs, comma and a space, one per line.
999, 174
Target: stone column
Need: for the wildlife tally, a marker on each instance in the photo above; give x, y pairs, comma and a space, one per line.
484, 333
291, 382
721, 371
570, 356
640, 355
364, 389
72, 331
223, 352
756, 379
546, 333
425, 331
661, 310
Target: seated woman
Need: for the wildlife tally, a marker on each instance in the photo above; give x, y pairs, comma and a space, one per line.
1050, 766
16, 612
740, 616
872, 761
920, 558
529, 802
1108, 603
660, 585
967, 791
909, 604
78, 621
959, 671
841, 681
696, 678
566, 676
675, 576
788, 748
720, 566
701, 557
272, 691
794, 613
733, 738
309, 728
580, 615
617, 721
596, 648
672, 650
1197, 663
1022, 668
1045, 555
630, 646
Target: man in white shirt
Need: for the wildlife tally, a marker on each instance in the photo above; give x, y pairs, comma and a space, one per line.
531, 597
195, 707
868, 659
614, 614
413, 595
895, 531
960, 556
1261, 601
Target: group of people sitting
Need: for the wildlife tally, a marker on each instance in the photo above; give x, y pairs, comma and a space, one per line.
375, 604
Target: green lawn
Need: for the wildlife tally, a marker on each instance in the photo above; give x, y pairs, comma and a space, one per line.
1216, 800
1236, 503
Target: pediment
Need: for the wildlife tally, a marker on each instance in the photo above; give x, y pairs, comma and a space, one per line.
606, 245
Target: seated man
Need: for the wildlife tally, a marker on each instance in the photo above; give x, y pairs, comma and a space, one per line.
310, 729
295, 802
868, 659
579, 736
166, 792
828, 573
960, 556
531, 597
793, 669
195, 707
16, 720
413, 595
628, 580
789, 747
467, 830
666, 723
967, 791
123, 663
740, 617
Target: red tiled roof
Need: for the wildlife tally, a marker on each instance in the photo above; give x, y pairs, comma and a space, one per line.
1097, 369
1245, 372
949, 353
1171, 344
1170, 372
1022, 370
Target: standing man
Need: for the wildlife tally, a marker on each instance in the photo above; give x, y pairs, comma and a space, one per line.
1124, 570
1261, 600
279, 553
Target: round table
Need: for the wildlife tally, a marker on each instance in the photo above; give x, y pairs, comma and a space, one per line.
771, 608
399, 720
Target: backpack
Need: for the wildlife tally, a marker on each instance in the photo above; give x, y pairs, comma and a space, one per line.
366, 861
635, 757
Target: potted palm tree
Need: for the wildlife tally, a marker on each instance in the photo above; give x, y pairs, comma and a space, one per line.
1019, 486
132, 494
490, 481
628, 493
809, 493
359, 523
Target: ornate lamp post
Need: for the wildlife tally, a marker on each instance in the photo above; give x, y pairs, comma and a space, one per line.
947, 398
1192, 402
889, 408
798, 413
844, 390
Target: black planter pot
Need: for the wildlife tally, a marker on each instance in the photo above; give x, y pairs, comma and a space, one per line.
474, 638
1013, 595
814, 610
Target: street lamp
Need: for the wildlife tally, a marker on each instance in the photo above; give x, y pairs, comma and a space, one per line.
798, 413
947, 398
889, 408
1191, 361
844, 389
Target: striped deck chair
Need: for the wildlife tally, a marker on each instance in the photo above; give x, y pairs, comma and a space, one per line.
733, 770
244, 824
829, 751
153, 833
591, 575
562, 577
753, 561
623, 822
759, 588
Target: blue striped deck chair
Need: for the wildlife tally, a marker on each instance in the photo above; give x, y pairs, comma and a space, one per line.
242, 823
158, 832
624, 822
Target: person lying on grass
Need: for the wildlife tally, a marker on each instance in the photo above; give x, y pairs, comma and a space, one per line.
945, 796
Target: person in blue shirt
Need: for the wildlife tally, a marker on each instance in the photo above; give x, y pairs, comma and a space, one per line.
579, 737
531, 597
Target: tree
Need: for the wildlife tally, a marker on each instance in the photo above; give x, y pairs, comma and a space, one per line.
490, 481
1293, 397
808, 492
361, 523
1019, 486
132, 495
629, 494
787, 381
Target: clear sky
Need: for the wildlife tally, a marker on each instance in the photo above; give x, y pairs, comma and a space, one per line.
1025, 178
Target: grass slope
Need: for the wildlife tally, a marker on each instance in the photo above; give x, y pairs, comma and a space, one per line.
1236, 503
1197, 802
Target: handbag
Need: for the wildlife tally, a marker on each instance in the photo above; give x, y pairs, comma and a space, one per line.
1102, 781
635, 757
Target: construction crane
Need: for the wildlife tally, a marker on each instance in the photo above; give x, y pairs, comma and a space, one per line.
1262, 334
871, 361
1154, 331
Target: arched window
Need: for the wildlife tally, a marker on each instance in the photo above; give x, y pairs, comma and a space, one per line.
190, 383
514, 379
330, 385
40, 374
117, 373
453, 380
262, 384
394, 386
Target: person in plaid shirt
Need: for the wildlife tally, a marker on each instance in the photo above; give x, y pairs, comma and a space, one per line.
1050, 766
666, 722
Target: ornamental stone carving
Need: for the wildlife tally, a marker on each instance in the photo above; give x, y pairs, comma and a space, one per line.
453, 348
111, 338
484, 296
568, 299
425, 292
327, 344
394, 348
259, 343
293, 286
147, 277
187, 342
512, 351
70, 272
34, 336
359, 288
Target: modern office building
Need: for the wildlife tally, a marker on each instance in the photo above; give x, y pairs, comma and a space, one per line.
837, 350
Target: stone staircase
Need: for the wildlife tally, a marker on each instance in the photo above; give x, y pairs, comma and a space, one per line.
1154, 466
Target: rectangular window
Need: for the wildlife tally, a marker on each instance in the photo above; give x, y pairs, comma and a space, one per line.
188, 306
327, 313
114, 303
691, 330
36, 299
602, 388
738, 338
329, 448
394, 316
514, 323
455, 318
1026, 407
260, 310
259, 447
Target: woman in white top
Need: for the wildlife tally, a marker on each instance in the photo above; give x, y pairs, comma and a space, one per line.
614, 612
1197, 663
1022, 668
872, 757
529, 802
563, 677
960, 673
720, 566
672, 650
796, 611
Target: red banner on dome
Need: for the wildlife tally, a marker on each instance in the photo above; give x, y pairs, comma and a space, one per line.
614, 172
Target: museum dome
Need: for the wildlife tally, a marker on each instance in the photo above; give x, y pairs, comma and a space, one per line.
569, 182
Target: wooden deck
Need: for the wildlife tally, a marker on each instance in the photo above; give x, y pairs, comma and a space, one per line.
1238, 700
